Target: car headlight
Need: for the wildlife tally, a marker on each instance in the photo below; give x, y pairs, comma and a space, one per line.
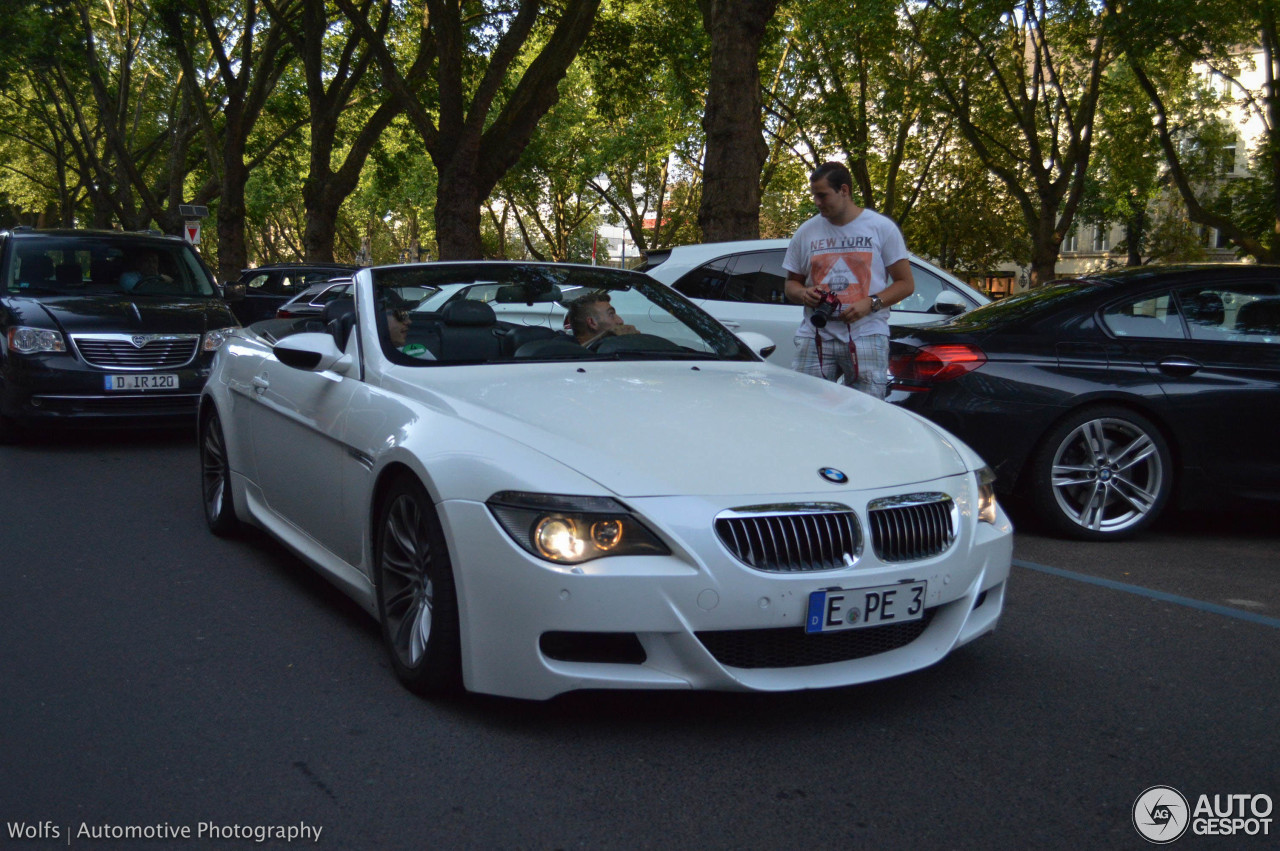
28, 341
986, 495
214, 339
572, 529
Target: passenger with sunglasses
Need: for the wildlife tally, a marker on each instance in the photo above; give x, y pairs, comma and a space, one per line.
398, 321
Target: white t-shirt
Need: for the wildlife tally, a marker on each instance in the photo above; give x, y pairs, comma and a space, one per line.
849, 260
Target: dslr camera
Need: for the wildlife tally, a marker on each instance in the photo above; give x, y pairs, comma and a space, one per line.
826, 309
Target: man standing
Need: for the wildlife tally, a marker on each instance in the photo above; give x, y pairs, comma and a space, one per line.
847, 266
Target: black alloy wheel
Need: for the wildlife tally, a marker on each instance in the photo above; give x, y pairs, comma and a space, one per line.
219, 511
417, 598
1102, 474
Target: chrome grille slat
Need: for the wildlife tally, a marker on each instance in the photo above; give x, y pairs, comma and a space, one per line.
790, 539
117, 351
912, 527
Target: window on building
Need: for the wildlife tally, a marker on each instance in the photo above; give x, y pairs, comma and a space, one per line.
1102, 238
1071, 242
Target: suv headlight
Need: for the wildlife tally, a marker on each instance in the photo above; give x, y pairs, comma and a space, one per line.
572, 529
986, 495
28, 341
214, 339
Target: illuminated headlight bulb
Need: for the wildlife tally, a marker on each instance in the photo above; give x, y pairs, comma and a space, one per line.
557, 539
606, 534
986, 495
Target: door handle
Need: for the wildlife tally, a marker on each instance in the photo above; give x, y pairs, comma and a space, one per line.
729, 323
260, 384
1179, 366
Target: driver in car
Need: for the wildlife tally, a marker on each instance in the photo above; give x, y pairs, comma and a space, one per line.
145, 264
592, 318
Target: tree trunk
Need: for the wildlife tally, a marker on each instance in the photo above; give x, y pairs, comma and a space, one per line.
458, 200
1045, 248
736, 150
233, 254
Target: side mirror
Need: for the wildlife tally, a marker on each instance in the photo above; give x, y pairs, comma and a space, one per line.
949, 304
232, 292
311, 351
758, 343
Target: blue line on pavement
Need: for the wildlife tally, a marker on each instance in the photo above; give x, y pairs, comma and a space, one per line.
1154, 595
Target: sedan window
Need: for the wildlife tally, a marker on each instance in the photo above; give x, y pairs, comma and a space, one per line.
1151, 317
1240, 311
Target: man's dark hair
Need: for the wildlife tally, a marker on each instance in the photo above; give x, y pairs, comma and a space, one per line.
578, 311
835, 174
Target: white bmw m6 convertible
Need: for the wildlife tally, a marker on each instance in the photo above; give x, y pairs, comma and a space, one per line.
528, 511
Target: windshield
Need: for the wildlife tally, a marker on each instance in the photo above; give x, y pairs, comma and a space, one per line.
105, 265
503, 312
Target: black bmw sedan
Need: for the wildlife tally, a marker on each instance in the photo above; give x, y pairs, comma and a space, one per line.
1100, 400
103, 328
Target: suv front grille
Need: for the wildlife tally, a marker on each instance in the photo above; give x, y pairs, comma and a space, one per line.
121, 351
792, 538
912, 527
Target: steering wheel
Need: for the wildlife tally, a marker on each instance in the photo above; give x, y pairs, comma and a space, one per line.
151, 284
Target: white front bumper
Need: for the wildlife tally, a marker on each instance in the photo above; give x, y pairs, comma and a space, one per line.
508, 599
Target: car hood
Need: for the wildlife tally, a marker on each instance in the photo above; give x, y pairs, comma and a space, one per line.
123, 314
655, 429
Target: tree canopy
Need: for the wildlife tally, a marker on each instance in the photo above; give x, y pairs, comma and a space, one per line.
992, 131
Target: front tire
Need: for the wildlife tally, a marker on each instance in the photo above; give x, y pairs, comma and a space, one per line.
417, 599
1102, 474
219, 510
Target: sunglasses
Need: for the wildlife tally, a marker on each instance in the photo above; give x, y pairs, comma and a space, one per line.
400, 314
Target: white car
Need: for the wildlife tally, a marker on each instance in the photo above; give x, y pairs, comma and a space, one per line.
741, 284
527, 516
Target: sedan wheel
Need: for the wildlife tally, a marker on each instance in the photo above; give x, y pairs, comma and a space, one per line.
219, 511
417, 601
1102, 474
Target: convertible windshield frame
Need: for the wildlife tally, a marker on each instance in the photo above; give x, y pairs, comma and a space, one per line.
527, 296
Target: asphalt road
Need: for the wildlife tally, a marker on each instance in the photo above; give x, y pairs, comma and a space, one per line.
157, 677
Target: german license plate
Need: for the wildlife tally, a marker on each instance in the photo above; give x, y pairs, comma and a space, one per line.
152, 381
854, 608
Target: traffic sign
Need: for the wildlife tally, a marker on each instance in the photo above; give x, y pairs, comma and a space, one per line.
192, 232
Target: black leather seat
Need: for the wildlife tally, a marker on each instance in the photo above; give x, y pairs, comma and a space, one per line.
518, 337
1260, 317
469, 332
70, 274
36, 269
340, 317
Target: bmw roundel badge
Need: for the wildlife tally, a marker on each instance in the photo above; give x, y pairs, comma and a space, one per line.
831, 474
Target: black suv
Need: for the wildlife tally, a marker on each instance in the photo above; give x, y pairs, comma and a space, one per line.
260, 292
103, 327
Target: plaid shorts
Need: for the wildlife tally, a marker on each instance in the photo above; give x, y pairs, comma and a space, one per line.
868, 373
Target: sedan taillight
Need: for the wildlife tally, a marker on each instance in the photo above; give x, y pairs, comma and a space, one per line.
931, 364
